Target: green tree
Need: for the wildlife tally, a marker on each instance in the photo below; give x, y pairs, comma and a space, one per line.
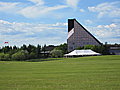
31, 48
20, 56
1, 56
44, 50
62, 47
32, 55
4, 57
15, 47
24, 47
7, 57
79, 48
38, 51
13, 50
56, 53
89, 47
6, 49
103, 49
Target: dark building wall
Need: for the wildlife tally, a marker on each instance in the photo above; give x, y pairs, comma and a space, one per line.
70, 24
78, 36
114, 50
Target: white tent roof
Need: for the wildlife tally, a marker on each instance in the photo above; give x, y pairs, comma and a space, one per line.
82, 52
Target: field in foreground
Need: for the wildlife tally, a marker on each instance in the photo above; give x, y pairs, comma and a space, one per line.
84, 73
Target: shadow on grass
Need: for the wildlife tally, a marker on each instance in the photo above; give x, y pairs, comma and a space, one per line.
43, 59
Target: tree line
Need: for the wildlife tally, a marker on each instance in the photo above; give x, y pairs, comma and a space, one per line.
23, 53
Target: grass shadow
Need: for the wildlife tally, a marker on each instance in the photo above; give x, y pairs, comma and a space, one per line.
43, 59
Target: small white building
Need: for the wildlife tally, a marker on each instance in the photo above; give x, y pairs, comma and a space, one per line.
77, 53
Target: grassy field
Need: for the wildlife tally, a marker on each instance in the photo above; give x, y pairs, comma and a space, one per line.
84, 73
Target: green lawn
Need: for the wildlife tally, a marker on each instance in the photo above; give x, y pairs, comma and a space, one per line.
84, 73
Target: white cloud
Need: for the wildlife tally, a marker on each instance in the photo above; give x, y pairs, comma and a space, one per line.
108, 26
38, 11
4, 22
110, 9
72, 3
60, 24
9, 7
107, 33
38, 2
82, 10
88, 21
29, 33
28, 28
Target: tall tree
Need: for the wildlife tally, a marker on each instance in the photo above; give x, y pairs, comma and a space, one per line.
15, 48
44, 51
38, 51
31, 48
24, 47
6, 49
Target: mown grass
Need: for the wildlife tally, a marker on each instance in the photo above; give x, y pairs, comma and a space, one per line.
84, 73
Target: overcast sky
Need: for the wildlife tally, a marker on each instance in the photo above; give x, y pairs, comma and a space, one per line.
45, 21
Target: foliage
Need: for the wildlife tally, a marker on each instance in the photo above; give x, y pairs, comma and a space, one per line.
4, 57
62, 47
38, 51
1, 56
31, 48
89, 47
24, 47
79, 48
103, 49
32, 55
20, 56
27, 52
56, 53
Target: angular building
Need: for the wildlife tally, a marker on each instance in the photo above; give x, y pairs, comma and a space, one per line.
78, 36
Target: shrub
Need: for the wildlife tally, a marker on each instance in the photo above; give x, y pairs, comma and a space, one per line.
56, 53
1, 56
4, 57
32, 55
20, 56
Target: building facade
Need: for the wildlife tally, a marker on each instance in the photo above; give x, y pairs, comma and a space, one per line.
78, 36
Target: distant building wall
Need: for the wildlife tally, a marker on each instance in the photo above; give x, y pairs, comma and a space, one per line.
78, 36
114, 50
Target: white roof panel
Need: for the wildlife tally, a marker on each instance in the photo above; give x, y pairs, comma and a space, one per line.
82, 52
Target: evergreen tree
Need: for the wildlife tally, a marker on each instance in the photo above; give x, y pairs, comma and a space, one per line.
24, 47
31, 48
6, 49
38, 51
15, 48
43, 50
